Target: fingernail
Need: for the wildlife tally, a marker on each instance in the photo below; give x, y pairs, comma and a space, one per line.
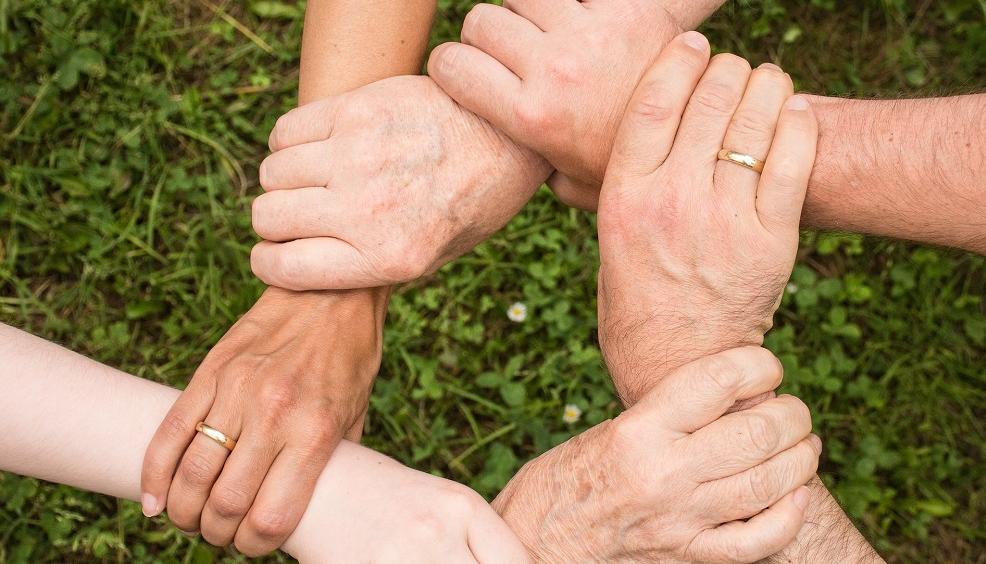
797, 103
817, 441
770, 66
149, 505
801, 497
189, 534
695, 40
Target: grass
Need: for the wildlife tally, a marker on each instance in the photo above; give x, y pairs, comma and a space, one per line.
130, 132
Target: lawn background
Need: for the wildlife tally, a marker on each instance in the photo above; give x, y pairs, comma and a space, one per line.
130, 132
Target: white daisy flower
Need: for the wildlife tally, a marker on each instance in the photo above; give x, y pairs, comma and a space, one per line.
792, 288
572, 414
517, 312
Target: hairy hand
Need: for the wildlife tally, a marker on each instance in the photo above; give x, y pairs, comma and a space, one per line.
288, 381
695, 252
556, 75
382, 185
674, 477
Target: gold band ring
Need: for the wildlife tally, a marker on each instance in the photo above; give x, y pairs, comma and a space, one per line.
216, 435
745, 161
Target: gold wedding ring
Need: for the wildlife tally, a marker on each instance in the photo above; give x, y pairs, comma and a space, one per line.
216, 435
745, 161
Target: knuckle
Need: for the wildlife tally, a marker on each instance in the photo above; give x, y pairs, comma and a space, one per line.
288, 268
460, 501
176, 427
565, 69
761, 486
196, 469
652, 106
760, 362
278, 399
752, 124
723, 372
627, 430
230, 503
529, 116
716, 97
760, 433
269, 523
410, 266
426, 529
799, 411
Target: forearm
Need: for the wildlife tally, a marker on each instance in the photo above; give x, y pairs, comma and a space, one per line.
348, 44
71, 420
827, 535
351, 43
908, 169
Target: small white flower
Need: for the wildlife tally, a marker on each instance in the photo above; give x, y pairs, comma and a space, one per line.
792, 288
572, 413
517, 312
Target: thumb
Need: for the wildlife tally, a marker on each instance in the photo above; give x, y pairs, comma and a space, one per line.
574, 193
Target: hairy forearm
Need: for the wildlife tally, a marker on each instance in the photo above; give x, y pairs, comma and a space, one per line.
71, 420
827, 535
908, 169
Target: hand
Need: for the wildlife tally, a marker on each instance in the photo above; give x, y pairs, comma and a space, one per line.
382, 185
382, 511
673, 478
556, 75
287, 382
695, 252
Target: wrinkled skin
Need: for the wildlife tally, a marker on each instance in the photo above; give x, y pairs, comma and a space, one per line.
566, 74
288, 381
382, 185
695, 252
671, 478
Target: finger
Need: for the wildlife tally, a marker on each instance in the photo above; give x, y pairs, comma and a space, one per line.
699, 393
654, 113
492, 541
321, 263
751, 132
574, 193
480, 84
283, 497
745, 494
199, 468
298, 166
545, 14
285, 215
305, 124
170, 442
711, 108
237, 486
501, 34
781, 194
739, 441
745, 404
749, 541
